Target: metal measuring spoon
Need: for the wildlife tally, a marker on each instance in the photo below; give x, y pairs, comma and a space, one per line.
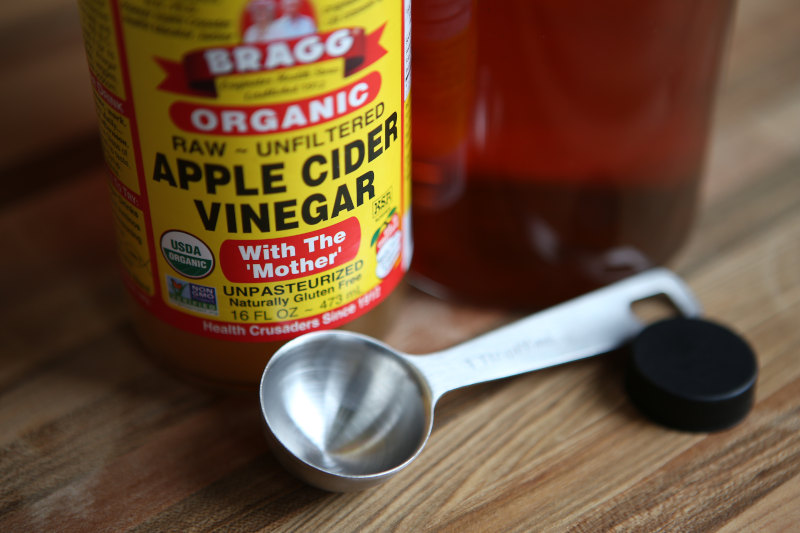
344, 411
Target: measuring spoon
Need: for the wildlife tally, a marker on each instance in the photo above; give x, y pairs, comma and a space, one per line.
345, 412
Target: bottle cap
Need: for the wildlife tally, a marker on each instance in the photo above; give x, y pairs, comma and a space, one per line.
692, 374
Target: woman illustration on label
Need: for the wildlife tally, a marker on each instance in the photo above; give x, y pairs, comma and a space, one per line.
262, 13
291, 24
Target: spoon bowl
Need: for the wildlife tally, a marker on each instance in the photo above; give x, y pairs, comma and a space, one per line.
347, 406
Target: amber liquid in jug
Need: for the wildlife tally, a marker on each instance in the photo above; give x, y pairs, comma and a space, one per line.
558, 146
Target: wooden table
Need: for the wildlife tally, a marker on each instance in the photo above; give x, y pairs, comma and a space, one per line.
95, 438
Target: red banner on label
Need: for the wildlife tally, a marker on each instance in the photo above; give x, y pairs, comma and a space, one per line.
196, 73
280, 117
275, 260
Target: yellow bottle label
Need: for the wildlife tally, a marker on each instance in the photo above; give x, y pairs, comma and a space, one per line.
259, 157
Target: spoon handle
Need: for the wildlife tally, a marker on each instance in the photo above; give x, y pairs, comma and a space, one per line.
588, 325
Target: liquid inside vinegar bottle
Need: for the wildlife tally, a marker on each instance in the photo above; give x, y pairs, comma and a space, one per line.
259, 170
571, 156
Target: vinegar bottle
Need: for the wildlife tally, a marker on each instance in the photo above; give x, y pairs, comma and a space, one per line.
566, 152
259, 158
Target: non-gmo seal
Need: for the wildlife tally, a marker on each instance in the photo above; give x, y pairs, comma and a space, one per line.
187, 254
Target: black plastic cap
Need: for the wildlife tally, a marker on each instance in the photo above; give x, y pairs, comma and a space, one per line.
692, 375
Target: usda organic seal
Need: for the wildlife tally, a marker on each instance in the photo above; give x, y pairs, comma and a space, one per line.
187, 254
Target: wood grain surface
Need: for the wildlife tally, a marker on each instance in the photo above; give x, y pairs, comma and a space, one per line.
94, 437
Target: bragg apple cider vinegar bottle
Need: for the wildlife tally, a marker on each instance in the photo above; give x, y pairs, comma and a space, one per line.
258, 156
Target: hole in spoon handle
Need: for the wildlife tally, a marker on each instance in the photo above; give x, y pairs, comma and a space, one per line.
591, 324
